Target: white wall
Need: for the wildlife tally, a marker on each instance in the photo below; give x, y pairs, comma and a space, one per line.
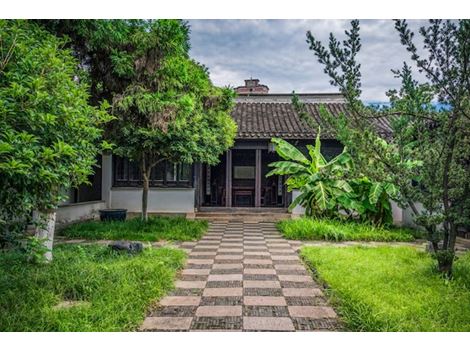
79, 211
160, 200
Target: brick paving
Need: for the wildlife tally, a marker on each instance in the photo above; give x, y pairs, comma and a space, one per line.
243, 277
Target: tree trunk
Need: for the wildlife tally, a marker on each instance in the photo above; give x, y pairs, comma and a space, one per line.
45, 231
145, 194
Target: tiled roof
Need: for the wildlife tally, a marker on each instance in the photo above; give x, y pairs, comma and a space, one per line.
273, 115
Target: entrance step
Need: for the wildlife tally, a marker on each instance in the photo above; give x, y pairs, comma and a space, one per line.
243, 214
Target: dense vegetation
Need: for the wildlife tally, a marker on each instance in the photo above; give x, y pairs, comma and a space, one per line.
49, 134
332, 188
393, 288
425, 152
114, 290
312, 229
173, 228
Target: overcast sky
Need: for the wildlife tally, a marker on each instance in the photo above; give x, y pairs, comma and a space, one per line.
276, 52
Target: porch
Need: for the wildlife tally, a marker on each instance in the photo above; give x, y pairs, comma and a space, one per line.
239, 180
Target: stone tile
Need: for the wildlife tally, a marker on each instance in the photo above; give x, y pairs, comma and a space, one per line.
175, 311
259, 271
186, 292
269, 292
223, 292
180, 301
284, 257
261, 284
219, 311
313, 312
222, 301
230, 250
216, 323
307, 324
301, 292
258, 253
228, 257
264, 301
257, 261
265, 311
220, 284
190, 284
295, 278
203, 254
167, 323
267, 324
228, 266
227, 277
195, 272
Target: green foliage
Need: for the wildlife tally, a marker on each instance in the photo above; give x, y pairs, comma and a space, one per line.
392, 288
311, 229
49, 134
175, 228
425, 152
320, 182
115, 289
167, 107
327, 189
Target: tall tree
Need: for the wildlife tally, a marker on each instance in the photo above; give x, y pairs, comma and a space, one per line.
170, 111
167, 108
426, 156
49, 133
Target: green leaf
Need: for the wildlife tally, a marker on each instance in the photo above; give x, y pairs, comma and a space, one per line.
375, 191
288, 152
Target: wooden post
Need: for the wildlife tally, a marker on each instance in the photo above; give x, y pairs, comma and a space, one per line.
258, 179
228, 179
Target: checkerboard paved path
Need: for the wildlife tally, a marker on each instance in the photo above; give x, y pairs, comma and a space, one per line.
243, 277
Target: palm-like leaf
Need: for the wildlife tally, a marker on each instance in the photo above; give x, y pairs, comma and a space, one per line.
288, 152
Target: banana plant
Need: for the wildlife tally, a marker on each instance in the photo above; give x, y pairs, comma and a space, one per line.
320, 182
369, 200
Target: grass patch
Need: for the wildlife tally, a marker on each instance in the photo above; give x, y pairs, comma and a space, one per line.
114, 290
333, 230
157, 228
392, 288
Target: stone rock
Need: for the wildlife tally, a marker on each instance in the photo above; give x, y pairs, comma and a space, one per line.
128, 246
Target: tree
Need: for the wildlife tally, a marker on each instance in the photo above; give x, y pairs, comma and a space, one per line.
426, 154
49, 133
170, 111
167, 107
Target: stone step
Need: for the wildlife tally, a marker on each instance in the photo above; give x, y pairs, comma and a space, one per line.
245, 216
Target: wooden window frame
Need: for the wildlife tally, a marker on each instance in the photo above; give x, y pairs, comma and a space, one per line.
176, 182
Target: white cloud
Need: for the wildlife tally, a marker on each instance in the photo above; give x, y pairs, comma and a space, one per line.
276, 52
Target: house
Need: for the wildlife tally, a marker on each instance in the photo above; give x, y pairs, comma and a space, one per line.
239, 180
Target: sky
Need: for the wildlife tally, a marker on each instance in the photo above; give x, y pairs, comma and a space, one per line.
276, 52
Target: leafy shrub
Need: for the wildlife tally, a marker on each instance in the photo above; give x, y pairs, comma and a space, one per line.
327, 188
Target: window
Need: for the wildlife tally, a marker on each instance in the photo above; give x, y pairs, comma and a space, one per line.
127, 174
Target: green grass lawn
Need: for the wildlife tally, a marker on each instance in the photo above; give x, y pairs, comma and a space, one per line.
117, 288
331, 230
392, 288
157, 228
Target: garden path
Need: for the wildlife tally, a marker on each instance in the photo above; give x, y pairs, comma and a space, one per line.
243, 276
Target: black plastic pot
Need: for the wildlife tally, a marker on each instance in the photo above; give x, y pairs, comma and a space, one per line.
113, 214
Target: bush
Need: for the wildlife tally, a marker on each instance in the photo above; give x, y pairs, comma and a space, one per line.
154, 229
117, 288
335, 230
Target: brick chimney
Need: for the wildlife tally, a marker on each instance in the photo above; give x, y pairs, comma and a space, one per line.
252, 86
